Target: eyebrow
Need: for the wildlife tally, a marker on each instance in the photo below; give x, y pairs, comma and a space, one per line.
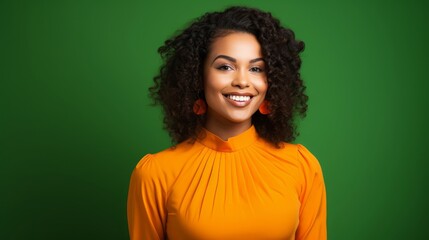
235, 60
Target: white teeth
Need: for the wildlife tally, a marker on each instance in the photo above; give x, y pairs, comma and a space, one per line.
239, 98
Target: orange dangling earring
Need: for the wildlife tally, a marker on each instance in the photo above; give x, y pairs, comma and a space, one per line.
263, 108
200, 107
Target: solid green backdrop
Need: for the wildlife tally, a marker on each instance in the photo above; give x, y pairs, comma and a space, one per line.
75, 115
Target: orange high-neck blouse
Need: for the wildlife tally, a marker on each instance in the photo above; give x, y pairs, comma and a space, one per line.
243, 188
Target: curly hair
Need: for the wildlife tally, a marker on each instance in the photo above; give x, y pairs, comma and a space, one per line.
180, 80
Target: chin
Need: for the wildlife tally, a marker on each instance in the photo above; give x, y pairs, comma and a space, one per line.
240, 118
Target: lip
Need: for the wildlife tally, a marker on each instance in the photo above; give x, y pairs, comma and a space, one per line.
239, 94
238, 103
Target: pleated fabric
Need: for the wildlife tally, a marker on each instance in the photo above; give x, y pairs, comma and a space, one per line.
243, 188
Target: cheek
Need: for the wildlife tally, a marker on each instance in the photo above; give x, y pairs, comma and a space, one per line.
209, 84
261, 86
214, 83
210, 88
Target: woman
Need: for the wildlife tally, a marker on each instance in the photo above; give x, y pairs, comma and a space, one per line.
230, 89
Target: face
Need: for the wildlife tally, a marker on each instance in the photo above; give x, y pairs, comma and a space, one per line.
235, 82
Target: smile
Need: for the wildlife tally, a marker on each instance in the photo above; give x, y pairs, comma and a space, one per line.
239, 98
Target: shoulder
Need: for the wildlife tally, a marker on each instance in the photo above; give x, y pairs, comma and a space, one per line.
146, 169
305, 158
296, 154
166, 162
309, 162
308, 170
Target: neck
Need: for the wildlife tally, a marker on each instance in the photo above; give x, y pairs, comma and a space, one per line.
227, 130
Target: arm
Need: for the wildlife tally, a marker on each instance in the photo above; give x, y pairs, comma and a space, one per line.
145, 207
312, 219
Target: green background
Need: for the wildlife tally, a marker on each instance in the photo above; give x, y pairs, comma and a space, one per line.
75, 116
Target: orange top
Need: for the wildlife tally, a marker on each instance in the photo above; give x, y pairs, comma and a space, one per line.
243, 188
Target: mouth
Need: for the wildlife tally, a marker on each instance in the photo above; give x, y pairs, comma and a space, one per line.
238, 98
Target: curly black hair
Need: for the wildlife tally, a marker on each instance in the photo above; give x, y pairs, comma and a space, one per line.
180, 80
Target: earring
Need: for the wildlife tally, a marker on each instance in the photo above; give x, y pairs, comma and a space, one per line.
200, 107
264, 108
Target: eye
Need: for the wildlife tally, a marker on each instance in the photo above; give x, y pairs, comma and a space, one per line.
256, 69
225, 68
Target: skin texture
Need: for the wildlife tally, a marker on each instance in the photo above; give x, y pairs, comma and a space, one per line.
234, 66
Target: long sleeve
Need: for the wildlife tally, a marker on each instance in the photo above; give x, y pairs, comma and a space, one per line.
146, 201
312, 220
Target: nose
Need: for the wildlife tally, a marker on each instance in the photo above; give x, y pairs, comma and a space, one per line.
241, 80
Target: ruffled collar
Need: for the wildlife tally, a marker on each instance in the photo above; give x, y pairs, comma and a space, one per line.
235, 143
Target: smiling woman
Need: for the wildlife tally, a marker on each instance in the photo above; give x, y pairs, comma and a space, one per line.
233, 173
235, 83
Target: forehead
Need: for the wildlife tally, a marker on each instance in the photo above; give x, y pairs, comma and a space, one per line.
239, 45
